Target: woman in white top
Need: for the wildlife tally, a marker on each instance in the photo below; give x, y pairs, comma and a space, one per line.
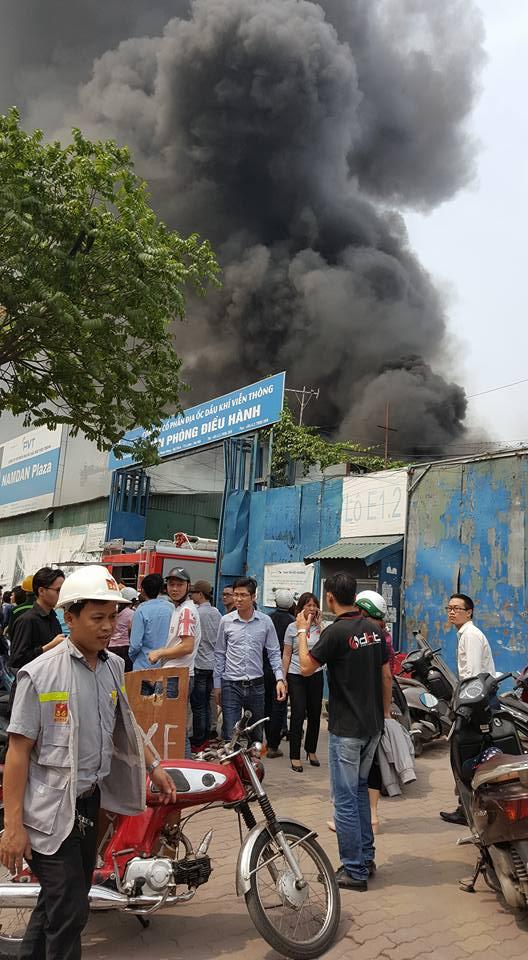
306, 693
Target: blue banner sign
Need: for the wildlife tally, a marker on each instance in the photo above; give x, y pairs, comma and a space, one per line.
29, 471
242, 411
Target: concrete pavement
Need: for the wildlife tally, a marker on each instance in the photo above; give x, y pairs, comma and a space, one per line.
413, 907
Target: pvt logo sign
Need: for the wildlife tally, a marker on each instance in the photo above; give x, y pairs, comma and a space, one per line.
28, 471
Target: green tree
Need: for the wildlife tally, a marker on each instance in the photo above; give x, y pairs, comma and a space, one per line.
293, 443
90, 281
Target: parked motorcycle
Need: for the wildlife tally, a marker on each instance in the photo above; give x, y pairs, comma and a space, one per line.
515, 704
148, 862
428, 692
399, 706
493, 790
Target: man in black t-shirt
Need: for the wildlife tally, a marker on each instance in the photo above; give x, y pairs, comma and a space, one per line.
360, 684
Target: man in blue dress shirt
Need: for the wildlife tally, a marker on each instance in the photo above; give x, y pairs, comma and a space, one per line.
150, 626
243, 635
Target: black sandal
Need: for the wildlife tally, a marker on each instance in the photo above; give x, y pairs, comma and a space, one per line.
298, 769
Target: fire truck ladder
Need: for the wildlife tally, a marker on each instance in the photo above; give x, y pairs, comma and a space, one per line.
144, 564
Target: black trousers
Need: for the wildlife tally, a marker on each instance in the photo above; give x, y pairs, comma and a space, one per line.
306, 698
200, 704
275, 710
61, 914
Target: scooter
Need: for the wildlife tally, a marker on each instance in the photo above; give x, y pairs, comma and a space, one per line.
428, 692
399, 706
147, 862
515, 704
491, 775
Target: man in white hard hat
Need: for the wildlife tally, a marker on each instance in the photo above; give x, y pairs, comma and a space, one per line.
277, 710
73, 744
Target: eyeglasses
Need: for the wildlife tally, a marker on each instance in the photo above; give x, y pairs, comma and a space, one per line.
455, 609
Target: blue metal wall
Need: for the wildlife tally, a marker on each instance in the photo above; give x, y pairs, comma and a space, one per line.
467, 533
284, 524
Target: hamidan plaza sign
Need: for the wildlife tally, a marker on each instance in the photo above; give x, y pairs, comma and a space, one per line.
241, 411
28, 471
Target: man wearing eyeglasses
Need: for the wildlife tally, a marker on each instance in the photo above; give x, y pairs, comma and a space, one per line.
473, 650
473, 657
243, 635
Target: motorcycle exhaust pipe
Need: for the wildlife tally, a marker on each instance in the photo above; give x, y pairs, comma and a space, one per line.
24, 895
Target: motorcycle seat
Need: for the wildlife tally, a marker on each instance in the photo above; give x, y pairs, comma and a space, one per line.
500, 768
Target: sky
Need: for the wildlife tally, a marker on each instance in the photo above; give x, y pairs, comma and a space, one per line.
475, 245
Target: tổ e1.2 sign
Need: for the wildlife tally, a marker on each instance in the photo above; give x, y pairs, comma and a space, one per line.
374, 504
28, 471
242, 411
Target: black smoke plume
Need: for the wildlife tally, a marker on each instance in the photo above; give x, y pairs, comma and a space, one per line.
292, 134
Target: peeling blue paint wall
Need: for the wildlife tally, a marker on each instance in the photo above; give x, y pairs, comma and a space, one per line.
467, 533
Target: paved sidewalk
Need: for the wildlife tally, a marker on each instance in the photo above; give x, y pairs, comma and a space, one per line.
413, 907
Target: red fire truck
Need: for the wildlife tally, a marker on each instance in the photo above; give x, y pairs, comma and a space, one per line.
129, 566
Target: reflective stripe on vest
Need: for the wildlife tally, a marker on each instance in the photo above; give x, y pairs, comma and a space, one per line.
54, 695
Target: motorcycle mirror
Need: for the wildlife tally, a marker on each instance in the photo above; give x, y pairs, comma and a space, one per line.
523, 777
428, 700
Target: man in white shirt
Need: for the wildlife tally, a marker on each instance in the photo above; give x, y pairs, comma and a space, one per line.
184, 635
473, 650
473, 657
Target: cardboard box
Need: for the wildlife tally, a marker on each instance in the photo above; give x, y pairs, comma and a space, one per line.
158, 698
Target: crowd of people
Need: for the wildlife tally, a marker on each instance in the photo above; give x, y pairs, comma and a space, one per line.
242, 659
245, 659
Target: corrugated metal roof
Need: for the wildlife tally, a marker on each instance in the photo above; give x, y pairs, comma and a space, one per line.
356, 548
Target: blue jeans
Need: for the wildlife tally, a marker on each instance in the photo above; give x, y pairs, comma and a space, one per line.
240, 695
349, 760
200, 698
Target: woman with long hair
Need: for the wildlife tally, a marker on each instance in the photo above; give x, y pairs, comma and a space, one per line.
306, 693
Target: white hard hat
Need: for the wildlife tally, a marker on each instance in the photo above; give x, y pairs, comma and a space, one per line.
372, 603
284, 599
94, 582
128, 593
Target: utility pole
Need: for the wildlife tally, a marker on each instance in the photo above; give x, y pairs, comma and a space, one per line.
303, 397
387, 430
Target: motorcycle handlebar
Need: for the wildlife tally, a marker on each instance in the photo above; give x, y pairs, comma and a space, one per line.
244, 720
502, 677
241, 726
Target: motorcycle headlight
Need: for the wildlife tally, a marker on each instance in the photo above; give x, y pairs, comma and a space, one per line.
257, 749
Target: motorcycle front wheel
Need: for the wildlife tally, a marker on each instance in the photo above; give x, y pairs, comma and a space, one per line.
300, 924
13, 923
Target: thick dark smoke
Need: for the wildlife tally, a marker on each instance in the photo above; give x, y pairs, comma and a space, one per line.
289, 133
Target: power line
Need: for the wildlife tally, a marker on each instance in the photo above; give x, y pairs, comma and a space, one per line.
303, 396
504, 386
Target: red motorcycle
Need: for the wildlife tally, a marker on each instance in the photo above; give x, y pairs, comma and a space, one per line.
147, 862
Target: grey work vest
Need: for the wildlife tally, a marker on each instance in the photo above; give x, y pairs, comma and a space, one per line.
51, 791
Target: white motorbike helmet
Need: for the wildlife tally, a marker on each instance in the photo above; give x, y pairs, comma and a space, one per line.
372, 603
94, 582
284, 599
